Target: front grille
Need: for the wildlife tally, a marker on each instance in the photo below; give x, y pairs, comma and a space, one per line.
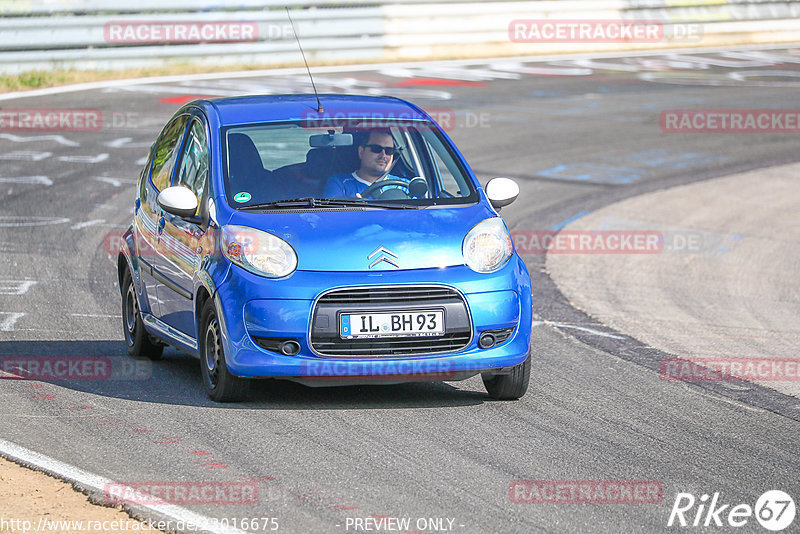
394, 347
325, 339
375, 295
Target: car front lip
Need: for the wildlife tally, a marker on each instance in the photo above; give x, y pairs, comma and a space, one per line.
294, 297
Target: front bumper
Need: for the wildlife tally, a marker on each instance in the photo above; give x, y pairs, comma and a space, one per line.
252, 306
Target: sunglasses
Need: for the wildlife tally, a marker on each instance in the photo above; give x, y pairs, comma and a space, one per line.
377, 149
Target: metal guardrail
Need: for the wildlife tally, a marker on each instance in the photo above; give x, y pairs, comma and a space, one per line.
106, 34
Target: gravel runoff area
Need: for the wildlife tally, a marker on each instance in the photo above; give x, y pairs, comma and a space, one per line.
33, 502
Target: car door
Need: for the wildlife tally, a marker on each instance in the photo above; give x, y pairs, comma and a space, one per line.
157, 176
178, 250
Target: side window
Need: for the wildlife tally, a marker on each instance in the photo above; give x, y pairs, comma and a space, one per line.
447, 182
166, 152
193, 172
143, 176
451, 182
405, 158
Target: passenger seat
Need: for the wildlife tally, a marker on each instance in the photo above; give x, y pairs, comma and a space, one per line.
246, 172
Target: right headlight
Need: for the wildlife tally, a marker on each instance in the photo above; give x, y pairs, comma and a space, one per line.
488, 246
259, 252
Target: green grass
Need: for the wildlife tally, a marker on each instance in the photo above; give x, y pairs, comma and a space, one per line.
41, 79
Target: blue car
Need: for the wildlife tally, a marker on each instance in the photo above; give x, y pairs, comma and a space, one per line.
332, 242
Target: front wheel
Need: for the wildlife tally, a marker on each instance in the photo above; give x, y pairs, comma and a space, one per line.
220, 384
137, 339
511, 386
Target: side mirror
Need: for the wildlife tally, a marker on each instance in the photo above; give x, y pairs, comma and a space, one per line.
501, 192
178, 200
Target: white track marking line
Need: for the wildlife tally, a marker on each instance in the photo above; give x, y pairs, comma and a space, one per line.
16, 287
576, 327
541, 71
97, 315
10, 221
40, 180
587, 330
106, 207
720, 398
96, 482
26, 155
376, 66
57, 138
125, 142
84, 224
118, 143
7, 324
116, 182
84, 159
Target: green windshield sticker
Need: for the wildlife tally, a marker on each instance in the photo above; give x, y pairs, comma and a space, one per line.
242, 197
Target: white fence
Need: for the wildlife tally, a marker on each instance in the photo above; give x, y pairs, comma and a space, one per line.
106, 34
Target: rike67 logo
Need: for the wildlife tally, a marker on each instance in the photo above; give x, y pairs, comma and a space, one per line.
774, 510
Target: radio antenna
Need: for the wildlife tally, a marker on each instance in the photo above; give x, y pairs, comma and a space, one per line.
291, 22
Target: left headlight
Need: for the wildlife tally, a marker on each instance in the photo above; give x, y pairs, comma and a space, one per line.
259, 252
487, 246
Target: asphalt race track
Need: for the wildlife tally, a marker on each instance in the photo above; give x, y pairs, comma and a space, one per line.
578, 134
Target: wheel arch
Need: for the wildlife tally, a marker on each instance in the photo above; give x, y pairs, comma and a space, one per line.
125, 259
204, 290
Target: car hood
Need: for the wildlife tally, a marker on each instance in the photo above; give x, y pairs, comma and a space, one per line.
372, 240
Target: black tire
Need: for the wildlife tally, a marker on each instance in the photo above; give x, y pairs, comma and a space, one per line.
511, 386
137, 340
219, 383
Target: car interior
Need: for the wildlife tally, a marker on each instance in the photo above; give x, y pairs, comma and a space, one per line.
297, 180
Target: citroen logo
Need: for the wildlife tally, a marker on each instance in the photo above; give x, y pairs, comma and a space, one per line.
383, 254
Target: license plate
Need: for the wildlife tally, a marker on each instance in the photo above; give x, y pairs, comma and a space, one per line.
387, 324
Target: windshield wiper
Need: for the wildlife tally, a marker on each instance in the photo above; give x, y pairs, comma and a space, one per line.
311, 202
305, 202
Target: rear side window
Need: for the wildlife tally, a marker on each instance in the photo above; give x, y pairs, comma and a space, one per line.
166, 152
143, 176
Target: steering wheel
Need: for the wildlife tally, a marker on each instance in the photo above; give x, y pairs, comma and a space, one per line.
385, 183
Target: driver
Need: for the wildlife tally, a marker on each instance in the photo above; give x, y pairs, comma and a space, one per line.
377, 154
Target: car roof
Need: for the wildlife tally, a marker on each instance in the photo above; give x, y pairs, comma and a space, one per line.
266, 108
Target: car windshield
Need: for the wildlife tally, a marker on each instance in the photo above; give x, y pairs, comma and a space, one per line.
394, 164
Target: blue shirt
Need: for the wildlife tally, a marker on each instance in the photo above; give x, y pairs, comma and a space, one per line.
347, 185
